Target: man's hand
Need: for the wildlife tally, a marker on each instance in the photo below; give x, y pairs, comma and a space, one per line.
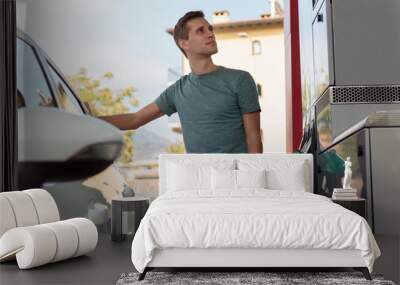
133, 121
251, 122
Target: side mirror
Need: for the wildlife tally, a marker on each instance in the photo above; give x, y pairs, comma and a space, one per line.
56, 146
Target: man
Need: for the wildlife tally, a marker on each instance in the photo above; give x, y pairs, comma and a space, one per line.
218, 107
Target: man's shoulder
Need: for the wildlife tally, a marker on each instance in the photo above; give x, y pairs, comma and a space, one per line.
235, 74
182, 80
234, 71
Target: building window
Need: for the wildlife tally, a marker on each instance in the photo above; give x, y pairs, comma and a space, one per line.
256, 47
259, 89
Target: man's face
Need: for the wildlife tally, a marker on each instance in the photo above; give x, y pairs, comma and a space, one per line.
201, 39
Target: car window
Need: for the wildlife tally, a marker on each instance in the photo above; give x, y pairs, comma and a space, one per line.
67, 99
33, 90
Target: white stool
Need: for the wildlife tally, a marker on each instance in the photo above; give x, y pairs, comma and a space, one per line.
31, 230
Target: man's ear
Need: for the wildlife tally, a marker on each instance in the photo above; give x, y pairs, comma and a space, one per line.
183, 44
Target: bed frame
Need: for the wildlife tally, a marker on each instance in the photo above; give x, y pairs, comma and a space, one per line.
241, 259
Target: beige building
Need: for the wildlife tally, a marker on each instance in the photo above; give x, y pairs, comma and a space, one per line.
256, 46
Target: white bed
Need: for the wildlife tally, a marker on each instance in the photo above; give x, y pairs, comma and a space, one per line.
193, 224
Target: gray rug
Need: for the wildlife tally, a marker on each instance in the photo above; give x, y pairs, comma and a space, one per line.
242, 278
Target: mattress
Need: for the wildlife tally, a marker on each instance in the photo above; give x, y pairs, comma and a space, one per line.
251, 219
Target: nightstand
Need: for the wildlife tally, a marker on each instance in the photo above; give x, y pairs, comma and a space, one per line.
126, 214
358, 205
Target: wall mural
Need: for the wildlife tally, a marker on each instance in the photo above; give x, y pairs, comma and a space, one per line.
74, 61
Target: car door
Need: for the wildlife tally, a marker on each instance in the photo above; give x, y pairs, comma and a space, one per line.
56, 140
33, 89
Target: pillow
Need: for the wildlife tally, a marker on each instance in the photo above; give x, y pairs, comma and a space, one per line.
293, 178
193, 175
182, 177
282, 174
226, 179
251, 179
223, 179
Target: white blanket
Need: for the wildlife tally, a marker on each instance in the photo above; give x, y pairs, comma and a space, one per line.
250, 219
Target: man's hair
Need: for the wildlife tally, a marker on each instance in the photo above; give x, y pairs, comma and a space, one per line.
180, 29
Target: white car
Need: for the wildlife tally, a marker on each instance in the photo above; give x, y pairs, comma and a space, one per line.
59, 143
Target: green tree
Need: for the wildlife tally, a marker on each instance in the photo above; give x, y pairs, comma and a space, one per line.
178, 147
102, 100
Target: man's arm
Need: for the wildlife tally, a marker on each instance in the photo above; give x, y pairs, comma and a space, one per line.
251, 122
133, 121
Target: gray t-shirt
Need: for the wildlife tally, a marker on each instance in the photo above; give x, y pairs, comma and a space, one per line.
211, 108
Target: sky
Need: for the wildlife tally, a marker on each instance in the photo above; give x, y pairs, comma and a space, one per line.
125, 37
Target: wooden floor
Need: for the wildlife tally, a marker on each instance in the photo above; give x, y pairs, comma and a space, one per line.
110, 259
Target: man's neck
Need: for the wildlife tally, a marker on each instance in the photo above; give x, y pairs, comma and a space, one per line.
201, 66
